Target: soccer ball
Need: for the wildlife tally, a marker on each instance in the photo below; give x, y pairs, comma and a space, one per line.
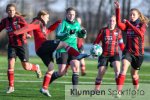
96, 50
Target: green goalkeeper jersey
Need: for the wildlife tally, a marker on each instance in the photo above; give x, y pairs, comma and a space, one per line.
68, 32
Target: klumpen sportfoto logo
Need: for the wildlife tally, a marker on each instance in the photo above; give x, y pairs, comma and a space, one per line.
106, 92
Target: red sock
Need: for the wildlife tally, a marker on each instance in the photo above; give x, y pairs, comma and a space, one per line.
72, 51
33, 67
82, 68
98, 84
46, 81
10, 75
120, 81
135, 83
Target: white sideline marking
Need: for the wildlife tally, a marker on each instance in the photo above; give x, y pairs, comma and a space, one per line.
65, 82
88, 72
59, 82
92, 72
68, 76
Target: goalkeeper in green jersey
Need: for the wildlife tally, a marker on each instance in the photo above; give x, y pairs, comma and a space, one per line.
68, 31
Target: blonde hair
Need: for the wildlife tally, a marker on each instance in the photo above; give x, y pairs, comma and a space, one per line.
142, 18
113, 16
42, 12
17, 13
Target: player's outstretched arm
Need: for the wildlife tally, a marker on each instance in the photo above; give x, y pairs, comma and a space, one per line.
121, 25
27, 28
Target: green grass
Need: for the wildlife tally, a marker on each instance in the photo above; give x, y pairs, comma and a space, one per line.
26, 89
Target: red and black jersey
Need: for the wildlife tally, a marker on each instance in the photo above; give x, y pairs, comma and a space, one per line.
135, 35
80, 42
12, 24
110, 39
39, 31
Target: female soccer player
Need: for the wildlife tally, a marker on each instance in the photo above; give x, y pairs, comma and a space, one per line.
111, 38
80, 43
17, 45
133, 54
68, 31
45, 48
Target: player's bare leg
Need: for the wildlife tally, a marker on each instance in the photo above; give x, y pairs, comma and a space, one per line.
32, 67
46, 81
135, 78
82, 66
10, 74
98, 81
75, 73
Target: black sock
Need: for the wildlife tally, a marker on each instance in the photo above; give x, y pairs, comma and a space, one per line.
75, 78
55, 75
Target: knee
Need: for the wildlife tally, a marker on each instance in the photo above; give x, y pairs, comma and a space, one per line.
101, 71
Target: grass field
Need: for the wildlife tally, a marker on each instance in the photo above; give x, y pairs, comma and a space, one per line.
27, 85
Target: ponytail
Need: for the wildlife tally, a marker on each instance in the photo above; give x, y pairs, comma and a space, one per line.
20, 14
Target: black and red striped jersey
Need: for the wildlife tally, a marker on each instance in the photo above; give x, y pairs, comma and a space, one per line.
110, 39
135, 35
12, 24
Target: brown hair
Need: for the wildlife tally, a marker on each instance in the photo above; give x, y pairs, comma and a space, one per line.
69, 9
17, 13
42, 12
142, 18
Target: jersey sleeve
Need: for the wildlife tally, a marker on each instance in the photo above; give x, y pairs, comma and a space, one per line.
82, 33
121, 25
27, 28
53, 26
23, 23
140, 31
99, 37
120, 41
2, 25
61, 32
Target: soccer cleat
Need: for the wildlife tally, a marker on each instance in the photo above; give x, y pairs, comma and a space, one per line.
10, 90
79, 57
45, 92
38, 72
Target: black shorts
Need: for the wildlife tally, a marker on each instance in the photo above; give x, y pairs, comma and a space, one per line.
136, 61
81, 50
45, 52
64, 58
20, 51
103, 60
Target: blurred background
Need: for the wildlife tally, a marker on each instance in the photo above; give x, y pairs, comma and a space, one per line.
94, 14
